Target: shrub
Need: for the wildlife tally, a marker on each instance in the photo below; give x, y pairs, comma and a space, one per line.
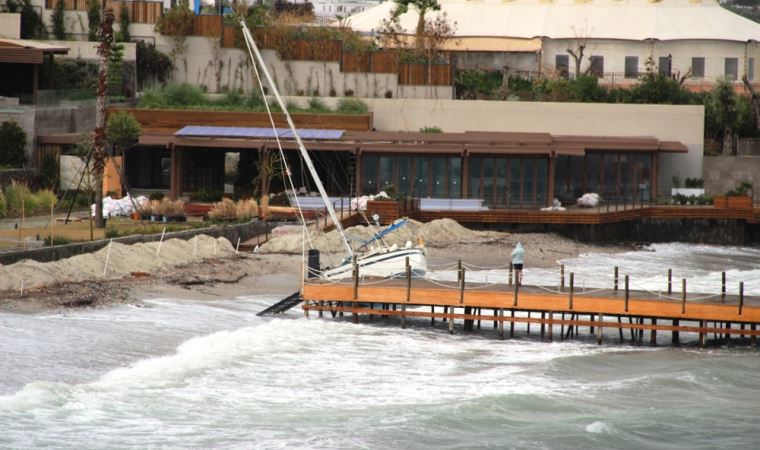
50, 171
12, 143
62, 240
388, 94
3, 205
152, 64
123, 34
352, 106
318, 106
111, 232
44, 200
431, 130
152, 99
17, 197
59, 28
183, 94
246, 209
93, 20
226, 209
172, 208
32, 26
122, 130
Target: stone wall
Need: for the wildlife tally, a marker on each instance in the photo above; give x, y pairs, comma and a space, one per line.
723, 173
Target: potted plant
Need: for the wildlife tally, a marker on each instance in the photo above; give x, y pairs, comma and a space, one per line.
173, 210
740, 197
155, 211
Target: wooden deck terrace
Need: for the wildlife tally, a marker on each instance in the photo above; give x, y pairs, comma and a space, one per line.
593, 216
547, 307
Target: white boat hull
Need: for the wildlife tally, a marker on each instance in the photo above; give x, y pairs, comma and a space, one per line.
382, 264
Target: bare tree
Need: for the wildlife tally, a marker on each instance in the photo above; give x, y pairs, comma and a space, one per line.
577, 49
422, 7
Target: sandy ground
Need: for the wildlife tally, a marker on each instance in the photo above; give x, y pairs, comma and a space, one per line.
230, 275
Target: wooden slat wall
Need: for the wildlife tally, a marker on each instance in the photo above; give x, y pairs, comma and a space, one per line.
139, 12
374, 62
208, 25
173, 120
70, 5
425, 74
229, 37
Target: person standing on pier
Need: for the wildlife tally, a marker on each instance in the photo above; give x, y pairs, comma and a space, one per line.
518, 255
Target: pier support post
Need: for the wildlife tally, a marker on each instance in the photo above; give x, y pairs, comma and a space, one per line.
701, 333
432, 317
501, 323
675, 339
451, 320
599, 336
512, 324
620, 330
627, 294
741, 297
683, 295
653, 334
551, 326
543, 325
753, 338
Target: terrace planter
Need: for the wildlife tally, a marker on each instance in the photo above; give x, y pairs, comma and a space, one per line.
719, 201
391, 210
739, 202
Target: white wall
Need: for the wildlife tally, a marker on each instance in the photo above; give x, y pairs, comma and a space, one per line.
615, 51
10, 25
89, 51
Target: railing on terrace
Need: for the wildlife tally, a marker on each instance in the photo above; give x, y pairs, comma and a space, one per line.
426, 74
140, 11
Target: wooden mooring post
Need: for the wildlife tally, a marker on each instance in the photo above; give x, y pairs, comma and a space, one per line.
723, 287
616, 279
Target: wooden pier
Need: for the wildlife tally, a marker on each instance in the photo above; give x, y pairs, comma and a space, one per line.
559, 311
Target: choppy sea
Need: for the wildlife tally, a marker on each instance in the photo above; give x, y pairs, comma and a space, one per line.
192, 374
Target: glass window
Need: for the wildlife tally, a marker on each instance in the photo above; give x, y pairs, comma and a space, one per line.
501, 181
732, 68
698, 67
593, 172
751, 69
488, 180
515, 178
562, 65
369, 174
631, 66
664, 65
386, 173
476, 165
404, 167
562, 189
610, 175
626, 186
529, 180
541, 176
455, 177
440, 178
421, 177
597, 66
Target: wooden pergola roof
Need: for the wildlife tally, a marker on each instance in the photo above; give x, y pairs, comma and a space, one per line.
474, 143
27, 52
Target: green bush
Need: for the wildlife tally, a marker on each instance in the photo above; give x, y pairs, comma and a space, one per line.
12, 143
431, 130
122, 130
59, 27
57, 240
152, 64
3, 205
93, 20
352, 106
43, 201
18, 196
316, 105
183, 94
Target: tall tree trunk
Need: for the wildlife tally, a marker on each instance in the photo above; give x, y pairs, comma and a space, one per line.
105, 36
728, 141
418, 37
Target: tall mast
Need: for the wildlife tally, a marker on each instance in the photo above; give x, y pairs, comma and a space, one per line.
252, 46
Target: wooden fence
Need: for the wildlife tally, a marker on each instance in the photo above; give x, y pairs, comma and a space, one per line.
208, 26
139, 11
374, 62
426, 74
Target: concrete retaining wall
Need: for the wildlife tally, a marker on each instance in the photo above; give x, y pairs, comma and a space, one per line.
723, 173
243, 231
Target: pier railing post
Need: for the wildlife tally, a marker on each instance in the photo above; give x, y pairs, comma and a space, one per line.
741, 297
354, 317
616, 278
562, 277
461, 286
670, 281
408, 292
683, 295
627, 294
723, 287
570, 295
515, 294
459, 271
510, 273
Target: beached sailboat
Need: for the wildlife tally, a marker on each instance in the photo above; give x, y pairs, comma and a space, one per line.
381, 260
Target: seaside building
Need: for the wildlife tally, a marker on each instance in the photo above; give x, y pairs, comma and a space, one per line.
612, 39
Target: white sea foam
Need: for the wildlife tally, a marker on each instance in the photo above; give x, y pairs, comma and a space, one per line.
598, 428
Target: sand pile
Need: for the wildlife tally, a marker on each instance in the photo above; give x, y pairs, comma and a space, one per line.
123, 260
436, 233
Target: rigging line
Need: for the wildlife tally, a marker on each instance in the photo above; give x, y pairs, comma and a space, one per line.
286, 169
252, 46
